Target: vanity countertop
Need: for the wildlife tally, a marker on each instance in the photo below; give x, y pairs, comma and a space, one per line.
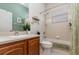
8, 39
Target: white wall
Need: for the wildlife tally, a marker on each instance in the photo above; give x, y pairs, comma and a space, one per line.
34, 10
51, 30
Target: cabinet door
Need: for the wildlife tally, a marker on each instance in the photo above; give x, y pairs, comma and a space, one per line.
14, 49
33, 47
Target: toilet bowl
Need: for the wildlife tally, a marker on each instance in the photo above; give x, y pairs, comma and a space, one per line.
46, 44
46, 47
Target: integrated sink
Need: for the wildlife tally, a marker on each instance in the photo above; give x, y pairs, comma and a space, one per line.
22, 36
6, 39
19, 36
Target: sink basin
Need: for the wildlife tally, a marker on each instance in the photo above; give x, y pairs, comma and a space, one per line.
6, 39
19, 36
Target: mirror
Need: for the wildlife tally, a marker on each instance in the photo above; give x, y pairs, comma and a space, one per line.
5, 20
13, 16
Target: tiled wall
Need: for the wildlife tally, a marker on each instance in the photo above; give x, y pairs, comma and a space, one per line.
61, 28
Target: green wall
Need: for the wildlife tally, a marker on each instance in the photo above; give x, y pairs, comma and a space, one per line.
17, 10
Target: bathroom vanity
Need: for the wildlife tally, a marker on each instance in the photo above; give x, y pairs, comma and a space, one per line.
20, 45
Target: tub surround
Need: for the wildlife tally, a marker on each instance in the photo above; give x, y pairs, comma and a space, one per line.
19, 45
59, 41
61, 44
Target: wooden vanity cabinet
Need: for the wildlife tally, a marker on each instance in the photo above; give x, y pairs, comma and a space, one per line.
33, 47
15, 48
24, 47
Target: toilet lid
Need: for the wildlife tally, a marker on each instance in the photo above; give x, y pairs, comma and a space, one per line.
46, 42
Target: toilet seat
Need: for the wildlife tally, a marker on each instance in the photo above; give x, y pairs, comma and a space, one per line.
46, 44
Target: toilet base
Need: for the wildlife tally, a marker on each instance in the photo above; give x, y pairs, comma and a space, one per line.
48, 51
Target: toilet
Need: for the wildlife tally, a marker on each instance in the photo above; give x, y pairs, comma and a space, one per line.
46, 46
